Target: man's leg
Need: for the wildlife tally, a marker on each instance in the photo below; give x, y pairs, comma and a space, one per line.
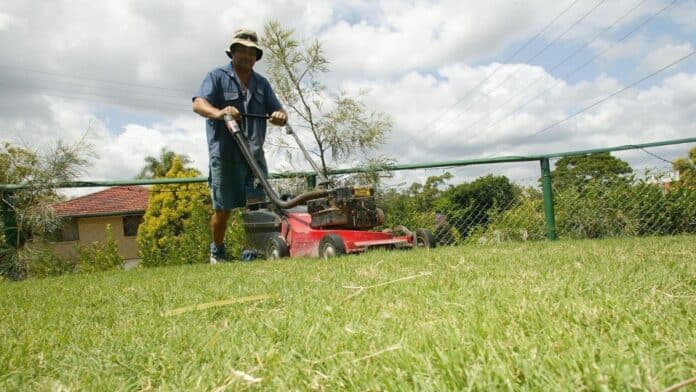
218, 224
227, 192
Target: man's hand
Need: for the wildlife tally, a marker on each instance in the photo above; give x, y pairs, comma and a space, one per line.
279, 118
231, 110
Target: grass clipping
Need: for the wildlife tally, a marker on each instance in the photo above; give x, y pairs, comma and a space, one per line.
215, 304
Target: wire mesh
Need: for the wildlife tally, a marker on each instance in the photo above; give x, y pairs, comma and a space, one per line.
494, 209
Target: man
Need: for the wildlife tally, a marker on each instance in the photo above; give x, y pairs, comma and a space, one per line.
234, 89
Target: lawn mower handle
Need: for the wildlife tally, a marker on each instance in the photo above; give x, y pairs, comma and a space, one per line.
323, 180
243, 144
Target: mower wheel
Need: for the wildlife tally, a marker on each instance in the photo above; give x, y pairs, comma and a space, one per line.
330, 246
276, 248
423, 238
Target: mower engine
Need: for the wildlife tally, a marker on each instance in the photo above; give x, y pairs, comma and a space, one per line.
346, 208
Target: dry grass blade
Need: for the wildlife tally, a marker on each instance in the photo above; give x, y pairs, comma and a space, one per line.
681, 385
237, 375
215, 304
360, 289
380, 352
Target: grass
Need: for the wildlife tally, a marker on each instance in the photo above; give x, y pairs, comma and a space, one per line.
571, 315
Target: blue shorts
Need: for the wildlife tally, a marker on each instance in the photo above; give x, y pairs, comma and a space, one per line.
230, 183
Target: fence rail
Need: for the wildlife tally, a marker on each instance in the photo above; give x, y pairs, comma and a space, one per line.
463, 224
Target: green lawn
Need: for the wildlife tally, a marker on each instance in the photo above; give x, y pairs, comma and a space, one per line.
569, 315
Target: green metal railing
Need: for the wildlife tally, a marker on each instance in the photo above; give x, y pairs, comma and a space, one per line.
8, 190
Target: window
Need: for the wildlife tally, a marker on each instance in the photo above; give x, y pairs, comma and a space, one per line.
68, 231
130, 225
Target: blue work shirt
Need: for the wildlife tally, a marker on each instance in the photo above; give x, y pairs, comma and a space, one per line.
222, 87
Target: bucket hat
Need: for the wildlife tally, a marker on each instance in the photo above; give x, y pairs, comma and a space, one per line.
246, 38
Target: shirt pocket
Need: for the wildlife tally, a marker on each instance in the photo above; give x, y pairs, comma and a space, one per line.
259, 100
230, 92
230, 95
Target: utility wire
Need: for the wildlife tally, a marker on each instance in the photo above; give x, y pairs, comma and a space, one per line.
582, 66
125, 101
657, 156
475, 88
93, 79
575, 52
90, 86
519, 66
617, 92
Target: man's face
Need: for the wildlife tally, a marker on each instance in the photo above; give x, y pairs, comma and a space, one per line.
244, 57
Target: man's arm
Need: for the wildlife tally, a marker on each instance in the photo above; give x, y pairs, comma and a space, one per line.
206, 109
278, 116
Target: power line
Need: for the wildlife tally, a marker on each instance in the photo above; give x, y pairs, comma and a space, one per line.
524, 89
475, 88
582, 66
125, 101
657, 156
87, 85
519, 66
93, 79
617, 92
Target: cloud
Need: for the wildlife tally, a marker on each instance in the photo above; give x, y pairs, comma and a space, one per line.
635, 116
664, 55
684, 14
5, 21
73, 66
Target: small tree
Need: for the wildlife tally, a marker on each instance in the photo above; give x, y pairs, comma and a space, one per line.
578, 171
158, 167
340, 125
99, 255
168, 214
32, 207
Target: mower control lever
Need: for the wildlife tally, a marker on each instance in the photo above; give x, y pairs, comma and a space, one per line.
243, 144
323, 181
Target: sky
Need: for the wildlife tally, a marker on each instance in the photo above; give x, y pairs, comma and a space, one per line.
460, 79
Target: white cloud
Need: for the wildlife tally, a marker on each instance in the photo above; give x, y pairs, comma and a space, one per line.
634, 116
664, 55
5, 21
414, 57
684, 13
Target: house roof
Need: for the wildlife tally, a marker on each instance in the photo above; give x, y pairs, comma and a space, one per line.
121, 200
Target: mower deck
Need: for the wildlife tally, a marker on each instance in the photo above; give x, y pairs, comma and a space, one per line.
303, 240
288, 233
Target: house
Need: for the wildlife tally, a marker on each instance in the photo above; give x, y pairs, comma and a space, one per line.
664, 179
85, 220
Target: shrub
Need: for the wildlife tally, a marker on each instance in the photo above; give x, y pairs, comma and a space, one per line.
99, 256
524, 222
168, 217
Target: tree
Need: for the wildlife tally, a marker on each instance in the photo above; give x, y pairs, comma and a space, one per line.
425, 195
687, 170
158, 167
29, 211
413, 207
339, 124
578, 171
168, 215
471, 204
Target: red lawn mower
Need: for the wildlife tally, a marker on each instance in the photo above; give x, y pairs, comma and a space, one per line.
324, 222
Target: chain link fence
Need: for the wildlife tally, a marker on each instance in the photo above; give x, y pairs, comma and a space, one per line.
466, 207
492, 209
492, 201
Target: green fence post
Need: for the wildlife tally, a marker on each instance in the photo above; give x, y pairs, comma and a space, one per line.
9, 218
548, 199
311, 181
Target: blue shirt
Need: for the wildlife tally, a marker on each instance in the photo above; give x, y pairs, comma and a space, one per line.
222, 87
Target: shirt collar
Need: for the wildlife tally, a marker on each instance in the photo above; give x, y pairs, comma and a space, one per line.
229, 69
